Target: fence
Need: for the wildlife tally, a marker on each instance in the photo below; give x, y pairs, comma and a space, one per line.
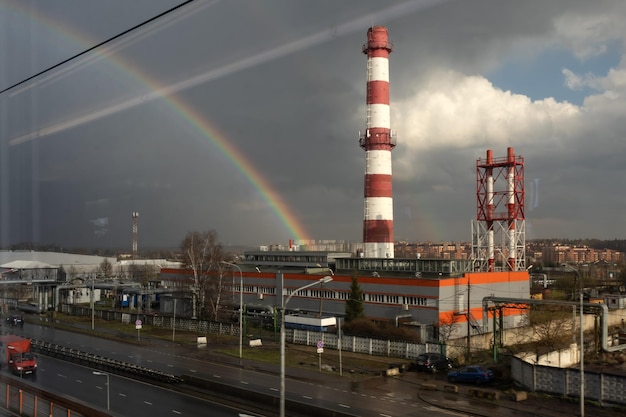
28, 401
600, 387
376, 347
101, 362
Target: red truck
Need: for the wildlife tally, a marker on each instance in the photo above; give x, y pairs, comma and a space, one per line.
20, 359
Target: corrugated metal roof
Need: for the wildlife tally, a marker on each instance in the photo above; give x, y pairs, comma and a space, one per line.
27, 265
66, 260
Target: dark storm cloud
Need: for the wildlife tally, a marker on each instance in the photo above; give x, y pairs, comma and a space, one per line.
284, 84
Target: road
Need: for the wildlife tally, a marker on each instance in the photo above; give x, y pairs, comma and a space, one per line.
380, 397
126, 397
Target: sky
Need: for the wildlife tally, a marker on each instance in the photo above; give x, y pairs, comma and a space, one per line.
244, 117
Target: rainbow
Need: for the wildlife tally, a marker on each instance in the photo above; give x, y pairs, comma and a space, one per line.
184, 111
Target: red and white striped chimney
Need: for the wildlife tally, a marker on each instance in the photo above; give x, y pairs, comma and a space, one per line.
378, 142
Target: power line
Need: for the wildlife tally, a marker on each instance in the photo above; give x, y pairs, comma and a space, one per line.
65, 61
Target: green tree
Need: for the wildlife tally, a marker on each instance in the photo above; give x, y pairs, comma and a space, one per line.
354, 304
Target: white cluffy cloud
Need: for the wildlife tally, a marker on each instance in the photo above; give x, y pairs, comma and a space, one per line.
453, 110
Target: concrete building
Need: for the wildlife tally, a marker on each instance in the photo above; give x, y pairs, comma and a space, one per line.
439, 298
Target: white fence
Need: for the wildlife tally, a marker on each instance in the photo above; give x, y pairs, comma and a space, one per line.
377, 347
599, 387
355, 344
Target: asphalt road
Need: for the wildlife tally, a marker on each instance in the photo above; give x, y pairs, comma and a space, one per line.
375, 396
127, 397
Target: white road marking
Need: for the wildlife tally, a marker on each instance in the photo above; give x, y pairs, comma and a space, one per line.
274, 389
121, 394
307, 397
176, 412
344, 406
440, 410
147, 402
62, 376
79, 381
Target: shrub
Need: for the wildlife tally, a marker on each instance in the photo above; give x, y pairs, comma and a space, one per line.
367, 328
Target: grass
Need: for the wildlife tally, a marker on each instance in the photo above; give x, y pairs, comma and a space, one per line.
114, 329
305, 357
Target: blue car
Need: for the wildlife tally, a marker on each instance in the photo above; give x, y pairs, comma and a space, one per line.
477, 374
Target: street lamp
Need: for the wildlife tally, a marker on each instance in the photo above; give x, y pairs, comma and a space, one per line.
582, 350
582, 345
108, 392
240, 306
324, 280
93, 307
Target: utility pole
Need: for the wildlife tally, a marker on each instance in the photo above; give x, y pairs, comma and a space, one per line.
467, 359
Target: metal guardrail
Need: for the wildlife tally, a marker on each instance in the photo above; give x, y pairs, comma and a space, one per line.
101, 362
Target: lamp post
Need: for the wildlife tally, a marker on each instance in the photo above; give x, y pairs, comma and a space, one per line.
174, 322
324, 280
240, 306
93, 307
582, 345
339, 347
582, 349
108, 392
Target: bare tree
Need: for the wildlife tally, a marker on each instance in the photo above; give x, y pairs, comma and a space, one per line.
106, 268
203, 254
447, 326
551, 327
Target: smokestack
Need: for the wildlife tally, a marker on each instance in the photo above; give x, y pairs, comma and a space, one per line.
378, 141
135, 219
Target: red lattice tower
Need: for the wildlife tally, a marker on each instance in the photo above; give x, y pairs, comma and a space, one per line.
498, 238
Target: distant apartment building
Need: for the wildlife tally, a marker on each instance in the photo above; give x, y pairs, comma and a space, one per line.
557, 254
552, 253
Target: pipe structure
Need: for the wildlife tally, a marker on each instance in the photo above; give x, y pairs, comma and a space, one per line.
378, 141
601, 308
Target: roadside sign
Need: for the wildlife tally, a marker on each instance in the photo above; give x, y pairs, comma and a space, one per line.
138, 324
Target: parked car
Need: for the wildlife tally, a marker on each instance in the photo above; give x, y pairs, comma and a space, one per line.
433, 362
476, 374
15, 320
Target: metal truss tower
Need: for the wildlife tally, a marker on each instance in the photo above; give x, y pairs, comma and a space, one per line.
499, 232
